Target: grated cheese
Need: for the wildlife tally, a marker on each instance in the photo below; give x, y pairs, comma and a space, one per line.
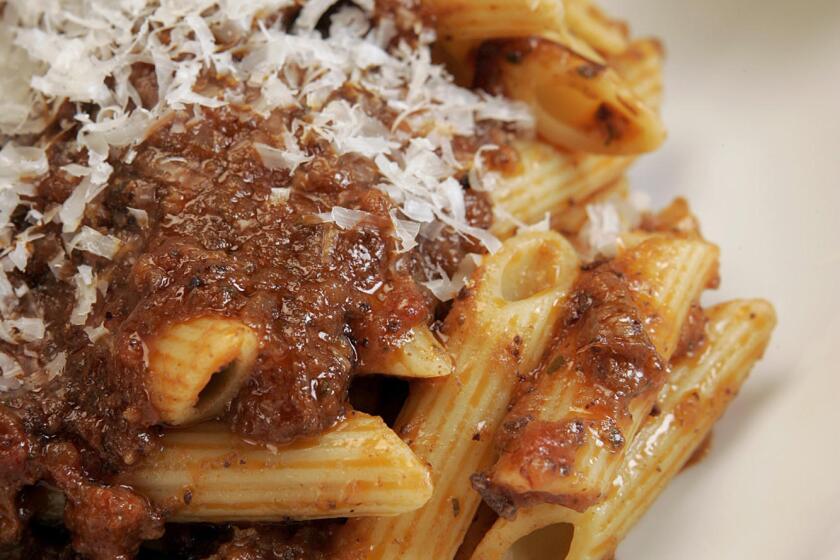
345, 218
11, 373
25, 329
607, 221
445, 288
96, 333
80, 49
140, 216
280, 195
90, 240
85, 294
288, 158
83, 51
55, 367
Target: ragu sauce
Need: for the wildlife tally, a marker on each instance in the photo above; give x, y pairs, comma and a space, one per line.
319, 236
217, 242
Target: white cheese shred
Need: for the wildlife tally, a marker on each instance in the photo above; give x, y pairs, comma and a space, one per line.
84, 52
85, 295
90, 240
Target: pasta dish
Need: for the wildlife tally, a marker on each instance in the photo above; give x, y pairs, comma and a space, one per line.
293, 279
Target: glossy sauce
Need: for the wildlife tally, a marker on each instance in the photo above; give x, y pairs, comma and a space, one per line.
216, 243
603, 344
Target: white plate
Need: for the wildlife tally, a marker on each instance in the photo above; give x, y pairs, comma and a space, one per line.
752, 104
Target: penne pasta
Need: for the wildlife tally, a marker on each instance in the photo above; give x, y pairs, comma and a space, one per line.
487, 19
197, 366
497, 331
641, 67
589, 23
422, 356
248, 218
667, 275
551, 182
696, 395
558, 182
579, 102
565, 437
208, 474
482, 522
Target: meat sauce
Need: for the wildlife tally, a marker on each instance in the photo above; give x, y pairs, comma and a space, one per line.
203, 234
216, 243
603, 340
309, 542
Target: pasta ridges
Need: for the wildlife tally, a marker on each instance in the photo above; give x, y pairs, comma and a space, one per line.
359, 468
698, 390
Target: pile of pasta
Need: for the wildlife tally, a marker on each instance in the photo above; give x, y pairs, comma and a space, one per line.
503, 372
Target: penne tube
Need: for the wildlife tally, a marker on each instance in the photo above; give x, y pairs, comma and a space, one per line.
550, 181
422, 356
208, 474
566, 435
558, 182
489, 19
497, 331
197, 366
590, 24
667, 274
580, 103
641, 67
696, 395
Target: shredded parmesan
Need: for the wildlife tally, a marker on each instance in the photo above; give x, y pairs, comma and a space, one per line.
407, 117
607, 221
8, 298
90, 240
96, 333
22, 161
55, 367
85, 295
280, 195
85, 52
140, 216
28, 329
445, 288
288, 158
345, 218
480, 178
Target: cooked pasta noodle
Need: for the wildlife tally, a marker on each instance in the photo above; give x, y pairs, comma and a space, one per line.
511, 302
560, 183
217, 217
197, 366
579, 103
360, 467
694, 397
486, 19
665, 277
419, 357
587, 21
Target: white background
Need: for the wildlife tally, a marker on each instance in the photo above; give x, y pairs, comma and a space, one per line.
752, 104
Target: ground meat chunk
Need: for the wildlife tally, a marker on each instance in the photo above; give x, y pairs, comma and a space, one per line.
107, 522
309, 542
110, 522
15, 472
